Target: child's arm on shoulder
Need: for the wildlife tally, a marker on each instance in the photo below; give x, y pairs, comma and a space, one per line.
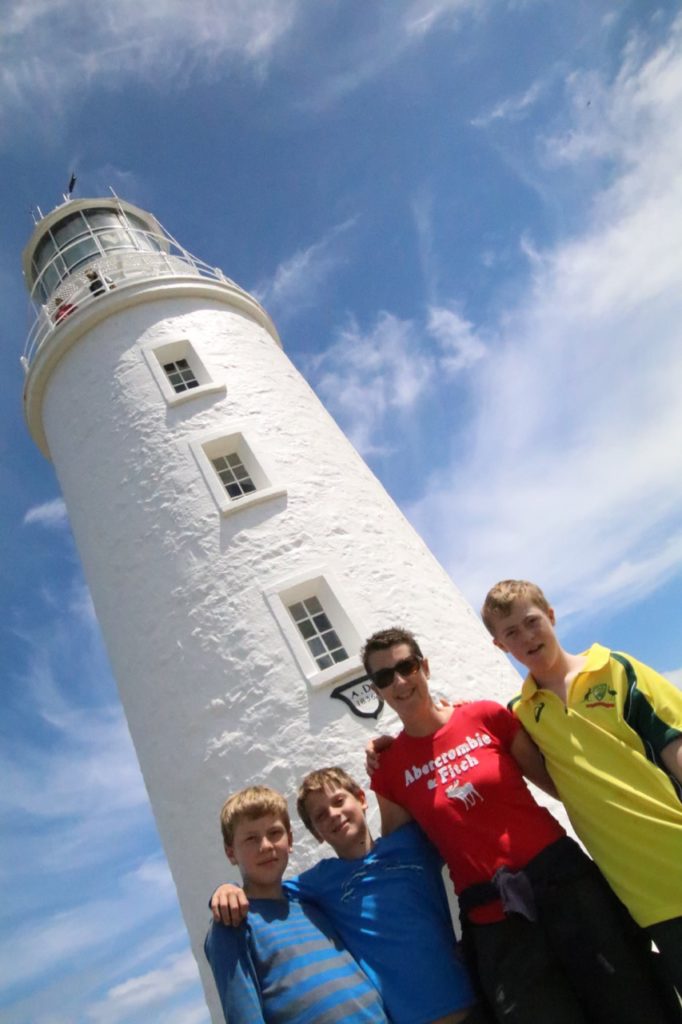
531, 762
227, 951
229, 905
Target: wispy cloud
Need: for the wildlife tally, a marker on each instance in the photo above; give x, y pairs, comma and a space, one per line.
50, 514
297, 281
145, 991
52, 50
81, 933
422, 16
513, 107
573, 474
388, 34
371, 379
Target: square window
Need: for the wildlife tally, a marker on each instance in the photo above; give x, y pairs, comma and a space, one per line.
180, 375
316, 629
315, 620
236, 480
179, 371
234, 475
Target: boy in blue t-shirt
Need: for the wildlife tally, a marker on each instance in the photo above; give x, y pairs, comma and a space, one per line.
285, 964
386, 899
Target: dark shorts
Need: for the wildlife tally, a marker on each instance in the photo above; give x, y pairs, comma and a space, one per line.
583, 960
668, 938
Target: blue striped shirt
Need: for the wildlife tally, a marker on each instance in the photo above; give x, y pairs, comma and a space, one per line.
285, 965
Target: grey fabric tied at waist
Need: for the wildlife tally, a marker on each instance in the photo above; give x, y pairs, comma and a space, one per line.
517, 890
512, 888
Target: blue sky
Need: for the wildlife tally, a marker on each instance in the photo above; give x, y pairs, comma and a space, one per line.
465, 220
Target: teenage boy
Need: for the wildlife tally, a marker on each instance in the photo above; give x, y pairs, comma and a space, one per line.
386, 900
285, 965
549, 939
610, 729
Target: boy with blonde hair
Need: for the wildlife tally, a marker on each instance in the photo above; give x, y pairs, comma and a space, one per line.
610, 730
385, 898
285, 964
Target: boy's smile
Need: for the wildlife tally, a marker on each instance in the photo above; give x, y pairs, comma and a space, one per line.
261, 848
338, 818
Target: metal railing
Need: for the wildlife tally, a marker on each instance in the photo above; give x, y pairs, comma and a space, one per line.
158, 256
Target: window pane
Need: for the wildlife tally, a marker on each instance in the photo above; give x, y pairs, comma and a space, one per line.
313, 605
78, 252
101, 218
322, 622
331, 639
324, 662
70, 228
298, 612
307, 629
316, 645
339, 655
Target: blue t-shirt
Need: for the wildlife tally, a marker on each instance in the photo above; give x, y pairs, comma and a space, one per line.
391, 912
285, 965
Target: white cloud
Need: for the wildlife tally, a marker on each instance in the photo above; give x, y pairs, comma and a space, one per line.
387, 35
460, 346
297, 281
372, 381
573, 474
513, 108
50, 514
422, 16
143, 992
73, 937
51, 51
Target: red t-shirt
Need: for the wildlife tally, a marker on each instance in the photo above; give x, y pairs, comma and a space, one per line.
464, 788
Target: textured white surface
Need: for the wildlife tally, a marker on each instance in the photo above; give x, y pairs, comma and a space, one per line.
214, 698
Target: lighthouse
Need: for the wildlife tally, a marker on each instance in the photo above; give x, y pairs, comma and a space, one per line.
237, 548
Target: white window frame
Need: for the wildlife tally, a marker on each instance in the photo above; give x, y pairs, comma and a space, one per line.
320, 583
211, 446
159, 352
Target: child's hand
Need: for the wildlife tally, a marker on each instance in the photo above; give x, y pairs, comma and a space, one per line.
373, 752
229, 905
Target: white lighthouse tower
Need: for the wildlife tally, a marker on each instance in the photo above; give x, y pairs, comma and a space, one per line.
237, 548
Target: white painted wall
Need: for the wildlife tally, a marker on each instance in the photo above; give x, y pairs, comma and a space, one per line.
214, 698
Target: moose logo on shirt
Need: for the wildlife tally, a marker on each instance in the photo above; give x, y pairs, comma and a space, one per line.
466, 793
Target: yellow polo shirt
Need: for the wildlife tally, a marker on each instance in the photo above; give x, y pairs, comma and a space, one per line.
602, 750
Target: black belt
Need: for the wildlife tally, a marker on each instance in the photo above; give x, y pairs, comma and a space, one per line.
517, 890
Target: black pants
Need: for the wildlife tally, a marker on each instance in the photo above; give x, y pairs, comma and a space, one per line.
668, 937
582, 962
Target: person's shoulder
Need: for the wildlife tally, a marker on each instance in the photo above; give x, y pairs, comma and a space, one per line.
482, 709
317, 876
408, 837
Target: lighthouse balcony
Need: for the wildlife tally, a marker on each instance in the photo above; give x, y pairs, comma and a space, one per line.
76, 277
